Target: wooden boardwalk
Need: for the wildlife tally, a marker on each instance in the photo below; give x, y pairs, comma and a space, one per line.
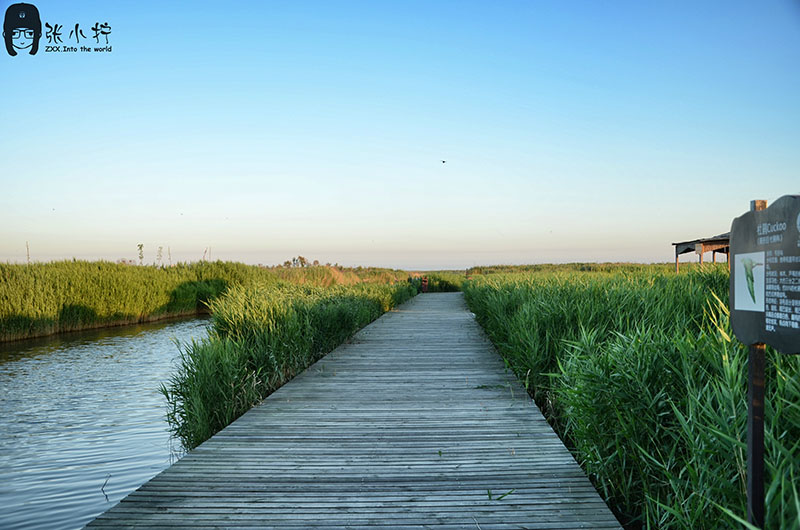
409, 425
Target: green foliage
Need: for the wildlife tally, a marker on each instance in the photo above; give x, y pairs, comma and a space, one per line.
262, 336
639, 373
438, 281
444, 281
611, 268
335, 275
46, 298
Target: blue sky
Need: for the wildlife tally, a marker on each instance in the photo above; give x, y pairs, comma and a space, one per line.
573, 131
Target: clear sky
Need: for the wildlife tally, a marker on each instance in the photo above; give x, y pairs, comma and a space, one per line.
572, 131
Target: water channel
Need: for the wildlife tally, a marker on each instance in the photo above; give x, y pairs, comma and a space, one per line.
82, 420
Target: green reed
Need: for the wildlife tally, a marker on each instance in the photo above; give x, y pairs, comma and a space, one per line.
45, 298
444, 281
639, 373
262, 335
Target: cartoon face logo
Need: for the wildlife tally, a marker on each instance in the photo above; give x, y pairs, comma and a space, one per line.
22, 29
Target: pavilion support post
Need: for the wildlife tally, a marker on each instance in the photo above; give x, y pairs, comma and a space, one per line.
713, 256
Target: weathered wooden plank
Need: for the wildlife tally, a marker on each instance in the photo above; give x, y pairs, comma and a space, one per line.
409, 425
473, 524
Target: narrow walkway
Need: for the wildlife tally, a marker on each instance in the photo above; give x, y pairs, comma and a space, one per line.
412, 424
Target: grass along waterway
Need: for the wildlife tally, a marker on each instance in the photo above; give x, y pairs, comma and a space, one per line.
82, 422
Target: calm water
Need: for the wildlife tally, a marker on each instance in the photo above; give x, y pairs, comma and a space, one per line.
81, 411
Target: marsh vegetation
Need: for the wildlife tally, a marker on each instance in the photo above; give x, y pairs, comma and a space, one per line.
637, 369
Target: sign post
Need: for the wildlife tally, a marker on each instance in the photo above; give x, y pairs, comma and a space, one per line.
765, 303
755, 436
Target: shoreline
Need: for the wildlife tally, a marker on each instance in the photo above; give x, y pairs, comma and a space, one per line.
114, 324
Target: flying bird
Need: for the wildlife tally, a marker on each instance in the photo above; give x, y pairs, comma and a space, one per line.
749, 265
443, 161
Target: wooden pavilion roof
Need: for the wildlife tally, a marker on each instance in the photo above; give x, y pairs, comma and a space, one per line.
716, 242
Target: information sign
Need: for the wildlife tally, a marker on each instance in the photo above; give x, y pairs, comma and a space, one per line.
765, 275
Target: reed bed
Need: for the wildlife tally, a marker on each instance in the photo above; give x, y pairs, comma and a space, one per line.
638, 371
46, 298
444, 281
328, 275
563, 268
261, 336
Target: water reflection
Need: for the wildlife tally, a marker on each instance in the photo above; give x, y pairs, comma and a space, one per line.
82, 421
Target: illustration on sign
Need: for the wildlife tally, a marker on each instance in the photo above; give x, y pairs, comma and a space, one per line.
749, 276
765, 277
22, 29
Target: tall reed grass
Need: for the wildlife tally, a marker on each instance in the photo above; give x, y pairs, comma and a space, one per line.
325, 276
611, 268
444, 281
261, 337
639, 373
45, 298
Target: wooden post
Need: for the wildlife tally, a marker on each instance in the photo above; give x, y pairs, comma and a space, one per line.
755, 424
755, 436
713, 256
676, 260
